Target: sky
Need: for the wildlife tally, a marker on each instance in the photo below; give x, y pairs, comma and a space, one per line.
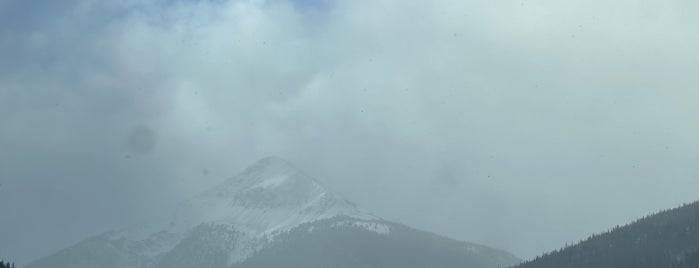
522, 125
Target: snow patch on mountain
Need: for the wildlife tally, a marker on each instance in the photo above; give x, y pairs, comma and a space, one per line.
377, 227
266, 199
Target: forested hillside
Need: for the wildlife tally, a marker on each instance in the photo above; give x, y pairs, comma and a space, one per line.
669, 238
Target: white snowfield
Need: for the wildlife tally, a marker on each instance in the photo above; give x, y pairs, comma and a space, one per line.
265, 200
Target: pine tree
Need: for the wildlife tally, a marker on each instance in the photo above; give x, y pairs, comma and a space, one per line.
4, 264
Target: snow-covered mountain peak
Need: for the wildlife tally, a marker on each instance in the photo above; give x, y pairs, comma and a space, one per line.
267, 173
268, 215
270, 195
269, 166
266, 199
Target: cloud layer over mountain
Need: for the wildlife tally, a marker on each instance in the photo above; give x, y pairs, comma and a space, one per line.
506, 123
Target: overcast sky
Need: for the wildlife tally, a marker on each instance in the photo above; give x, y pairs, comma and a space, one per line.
522, 125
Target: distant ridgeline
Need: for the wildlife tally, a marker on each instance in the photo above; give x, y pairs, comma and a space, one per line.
3, 264
669, 238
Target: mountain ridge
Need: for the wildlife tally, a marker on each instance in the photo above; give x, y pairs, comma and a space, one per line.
263, 208
669, 238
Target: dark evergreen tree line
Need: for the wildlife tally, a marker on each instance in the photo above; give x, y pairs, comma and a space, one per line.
4, 264
669, 238
691, 260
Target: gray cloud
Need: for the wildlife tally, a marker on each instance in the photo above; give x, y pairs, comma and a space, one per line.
521, 125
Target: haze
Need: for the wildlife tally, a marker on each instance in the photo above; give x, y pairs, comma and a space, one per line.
521, 125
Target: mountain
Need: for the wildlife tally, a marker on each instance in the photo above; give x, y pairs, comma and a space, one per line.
666, 239
273, 215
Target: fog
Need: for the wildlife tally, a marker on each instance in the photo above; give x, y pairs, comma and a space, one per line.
521, 125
